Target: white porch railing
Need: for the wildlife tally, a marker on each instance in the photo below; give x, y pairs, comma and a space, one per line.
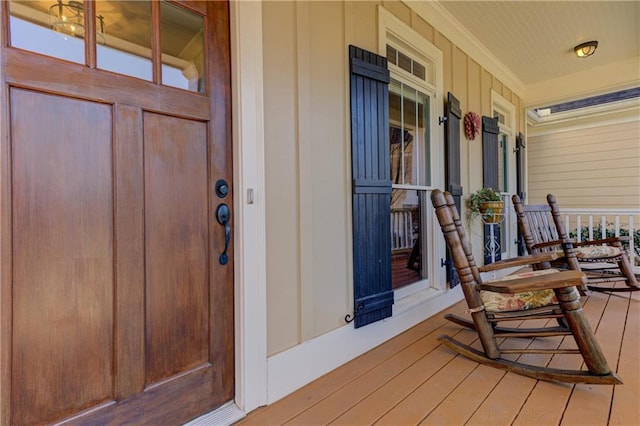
594, 224
402, 228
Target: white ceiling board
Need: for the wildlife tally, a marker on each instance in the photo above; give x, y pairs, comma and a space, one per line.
535, 39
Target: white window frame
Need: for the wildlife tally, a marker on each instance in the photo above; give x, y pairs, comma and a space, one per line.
390, 27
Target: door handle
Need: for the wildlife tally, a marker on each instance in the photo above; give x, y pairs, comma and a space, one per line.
223, 215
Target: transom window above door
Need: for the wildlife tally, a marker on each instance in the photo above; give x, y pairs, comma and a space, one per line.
161, 42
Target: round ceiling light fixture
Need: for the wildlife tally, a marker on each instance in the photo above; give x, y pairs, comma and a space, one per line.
586, 49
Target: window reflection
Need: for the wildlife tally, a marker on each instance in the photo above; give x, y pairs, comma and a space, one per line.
182, 48
409, 158
408, 136
67, 18
48, 28
124, 45
124, 34
407, 239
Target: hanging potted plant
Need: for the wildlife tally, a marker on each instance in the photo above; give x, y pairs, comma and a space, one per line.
486, 203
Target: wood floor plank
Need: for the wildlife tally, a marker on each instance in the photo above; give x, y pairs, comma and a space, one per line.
421, 402
412, 409
411, 379
372, 407
503, 404
610, 330
464, 401
590, 404
290, 406
460, 404
547, 402
625, 409
384, 398
349, 395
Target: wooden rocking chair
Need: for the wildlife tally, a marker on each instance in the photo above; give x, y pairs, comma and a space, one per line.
533, 291
550, 311
604, 261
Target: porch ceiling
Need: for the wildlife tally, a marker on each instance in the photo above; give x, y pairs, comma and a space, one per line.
535, 39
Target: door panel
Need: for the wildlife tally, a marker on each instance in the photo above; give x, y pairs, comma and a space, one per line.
176, 245
63, 280
129, 270
113, 306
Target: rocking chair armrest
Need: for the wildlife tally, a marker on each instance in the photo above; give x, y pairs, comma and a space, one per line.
609, 241
520, 261
551, 243
543, 282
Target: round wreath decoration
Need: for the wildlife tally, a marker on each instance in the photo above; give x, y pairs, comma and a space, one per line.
471, 125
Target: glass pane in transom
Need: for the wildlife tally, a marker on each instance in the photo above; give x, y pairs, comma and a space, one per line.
123, 37
52, 28
182, 48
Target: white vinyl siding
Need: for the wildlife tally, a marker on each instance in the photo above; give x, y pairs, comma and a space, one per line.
587, 167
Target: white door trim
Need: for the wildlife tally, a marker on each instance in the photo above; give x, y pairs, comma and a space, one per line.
249, 205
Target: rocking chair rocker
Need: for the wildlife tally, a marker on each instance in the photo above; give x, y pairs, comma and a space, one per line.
603, 261
523, 297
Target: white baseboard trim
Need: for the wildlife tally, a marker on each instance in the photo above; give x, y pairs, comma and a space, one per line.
225, 415
295, 367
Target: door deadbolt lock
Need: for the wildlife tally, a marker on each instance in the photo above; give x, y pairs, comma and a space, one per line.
222, 188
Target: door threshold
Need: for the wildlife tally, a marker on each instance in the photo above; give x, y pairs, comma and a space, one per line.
224, 415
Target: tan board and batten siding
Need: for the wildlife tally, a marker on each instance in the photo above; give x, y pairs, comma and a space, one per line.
307, 142
587, 167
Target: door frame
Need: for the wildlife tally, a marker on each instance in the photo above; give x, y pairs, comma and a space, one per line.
250, 273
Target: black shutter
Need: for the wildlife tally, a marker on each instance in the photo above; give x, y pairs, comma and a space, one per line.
490, 131
520, 169
452, 167
373, 296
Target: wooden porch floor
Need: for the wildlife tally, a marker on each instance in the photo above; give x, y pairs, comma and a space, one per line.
412, 379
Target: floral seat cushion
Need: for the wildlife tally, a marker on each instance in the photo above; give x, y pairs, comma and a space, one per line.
496, 302
596, 252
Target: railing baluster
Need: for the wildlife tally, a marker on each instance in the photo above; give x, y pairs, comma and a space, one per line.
401, 228
579, 227
632, 245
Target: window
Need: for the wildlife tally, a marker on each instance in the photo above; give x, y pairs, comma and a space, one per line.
409, 121
130, 52
123, 33
504, 112
415, 67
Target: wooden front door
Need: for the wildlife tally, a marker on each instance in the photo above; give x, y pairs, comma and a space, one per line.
114, 304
